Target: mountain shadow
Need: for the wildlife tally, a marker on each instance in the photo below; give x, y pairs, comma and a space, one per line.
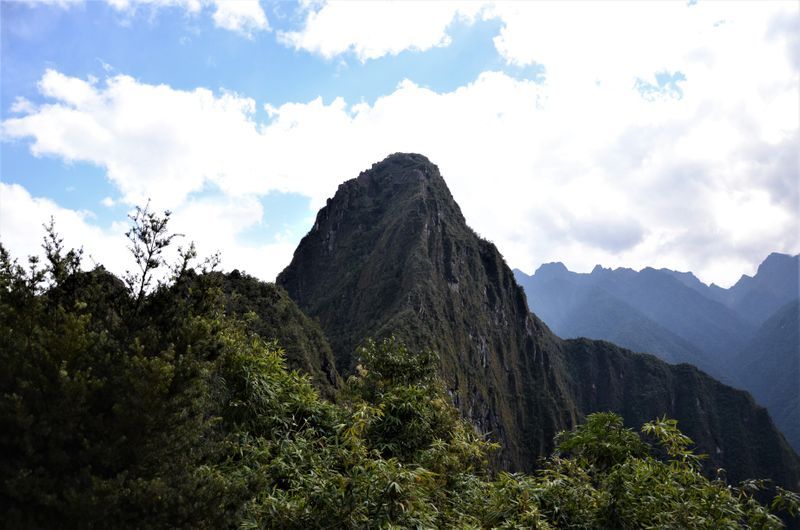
774, 285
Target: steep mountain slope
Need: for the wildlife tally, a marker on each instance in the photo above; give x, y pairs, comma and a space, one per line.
769, 366
726, 424
391, 253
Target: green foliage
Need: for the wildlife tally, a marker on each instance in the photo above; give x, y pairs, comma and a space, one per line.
415, 420
601, 443
161, 409
269, 313
638, 486
61, 264
149, 237
105, 416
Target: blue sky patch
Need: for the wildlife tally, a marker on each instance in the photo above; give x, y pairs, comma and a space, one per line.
283, 212
667, 84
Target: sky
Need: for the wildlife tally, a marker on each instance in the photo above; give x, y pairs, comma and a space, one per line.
626, 134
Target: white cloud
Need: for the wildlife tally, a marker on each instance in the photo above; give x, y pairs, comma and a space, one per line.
130, 6
22, 217
154, 142
374, 29
70, 90
223, 219
580, 168
22, 106
241, 16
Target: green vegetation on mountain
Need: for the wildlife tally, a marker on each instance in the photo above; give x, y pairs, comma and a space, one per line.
726, 424
170, 403
391, 254
279, 319
159, 408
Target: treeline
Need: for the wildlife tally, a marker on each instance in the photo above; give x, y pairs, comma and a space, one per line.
138, 403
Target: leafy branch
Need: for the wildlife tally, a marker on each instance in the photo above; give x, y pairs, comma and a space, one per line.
148, 238
60, 264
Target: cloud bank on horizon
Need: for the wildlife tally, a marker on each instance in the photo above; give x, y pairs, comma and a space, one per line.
648, 134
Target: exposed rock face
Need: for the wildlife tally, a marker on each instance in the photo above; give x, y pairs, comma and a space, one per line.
391, 253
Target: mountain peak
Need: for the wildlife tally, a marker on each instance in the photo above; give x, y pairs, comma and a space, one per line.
391, 254
395, 222
779, 256
400, 168
775, 262
598, 269
554, 268
405, 160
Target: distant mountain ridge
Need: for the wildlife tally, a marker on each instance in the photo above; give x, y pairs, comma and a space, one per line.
650, 311
769, 367
754, 298
391, 253
676, 317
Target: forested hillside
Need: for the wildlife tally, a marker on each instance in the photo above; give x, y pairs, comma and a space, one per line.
161, 409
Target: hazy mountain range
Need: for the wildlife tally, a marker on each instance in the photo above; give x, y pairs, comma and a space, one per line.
747, 335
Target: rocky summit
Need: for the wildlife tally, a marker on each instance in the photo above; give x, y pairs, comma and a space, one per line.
391, 254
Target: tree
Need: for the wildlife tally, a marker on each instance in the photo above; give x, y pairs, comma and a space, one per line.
61, 264
108, 410
148, 238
